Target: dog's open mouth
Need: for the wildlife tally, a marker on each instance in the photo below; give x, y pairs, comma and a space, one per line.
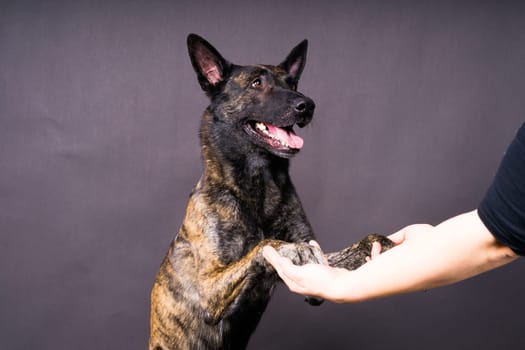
280, 139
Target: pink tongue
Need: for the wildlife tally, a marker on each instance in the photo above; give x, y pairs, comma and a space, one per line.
290, 138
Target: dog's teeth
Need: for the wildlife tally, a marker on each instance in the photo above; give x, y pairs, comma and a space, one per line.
260, 126
264, 130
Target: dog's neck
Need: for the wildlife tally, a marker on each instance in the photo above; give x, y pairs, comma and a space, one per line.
244, 172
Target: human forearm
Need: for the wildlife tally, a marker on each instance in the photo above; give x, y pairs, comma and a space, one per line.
454, 250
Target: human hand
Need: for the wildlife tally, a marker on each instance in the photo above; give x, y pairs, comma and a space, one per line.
400, 237
409, 233
314, 280
375, 251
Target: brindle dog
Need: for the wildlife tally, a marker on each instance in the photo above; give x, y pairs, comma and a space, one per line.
214, 284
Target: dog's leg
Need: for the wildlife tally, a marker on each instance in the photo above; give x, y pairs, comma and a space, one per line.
223, 287
354, 256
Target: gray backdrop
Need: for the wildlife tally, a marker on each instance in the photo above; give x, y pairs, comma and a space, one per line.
99, 110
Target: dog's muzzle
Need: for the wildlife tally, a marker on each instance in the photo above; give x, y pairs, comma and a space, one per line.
304, 109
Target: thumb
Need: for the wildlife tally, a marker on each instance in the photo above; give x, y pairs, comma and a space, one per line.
314, 243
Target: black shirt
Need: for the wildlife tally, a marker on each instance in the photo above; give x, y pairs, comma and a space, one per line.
503, 208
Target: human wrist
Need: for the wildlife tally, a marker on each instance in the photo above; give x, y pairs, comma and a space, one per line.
344, 289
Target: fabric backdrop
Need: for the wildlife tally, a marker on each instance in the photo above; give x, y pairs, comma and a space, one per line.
99, 111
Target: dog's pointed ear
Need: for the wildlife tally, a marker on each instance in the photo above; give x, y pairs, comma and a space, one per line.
210, 66
295, 61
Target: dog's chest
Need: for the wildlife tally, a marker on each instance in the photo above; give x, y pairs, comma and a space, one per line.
237, 224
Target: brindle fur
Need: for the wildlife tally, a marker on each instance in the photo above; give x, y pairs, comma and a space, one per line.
214, 284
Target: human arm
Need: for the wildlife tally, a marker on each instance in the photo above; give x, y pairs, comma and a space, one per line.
429, 257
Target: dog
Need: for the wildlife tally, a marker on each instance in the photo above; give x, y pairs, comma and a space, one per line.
213, 285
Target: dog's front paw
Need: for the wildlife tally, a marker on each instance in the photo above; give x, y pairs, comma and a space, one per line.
300, 254
357, 254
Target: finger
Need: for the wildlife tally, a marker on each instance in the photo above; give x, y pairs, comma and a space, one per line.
284, 268
286, 271
296, 277
314, 243
397, 237
376, 250
274, 259
280, 263
271, 255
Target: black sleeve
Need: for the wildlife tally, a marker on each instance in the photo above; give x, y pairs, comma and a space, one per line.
503, 208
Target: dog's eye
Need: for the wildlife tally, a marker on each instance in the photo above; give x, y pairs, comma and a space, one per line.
256, 83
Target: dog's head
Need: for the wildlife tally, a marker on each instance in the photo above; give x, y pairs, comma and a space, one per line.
257, 105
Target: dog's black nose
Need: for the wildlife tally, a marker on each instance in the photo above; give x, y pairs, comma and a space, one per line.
304, 109
304, 105
300, 106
